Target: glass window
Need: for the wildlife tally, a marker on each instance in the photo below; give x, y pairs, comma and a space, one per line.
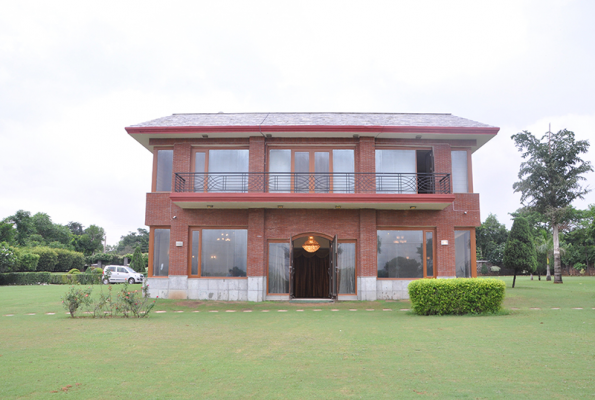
321, 168
396, 171
278, 267
165, 163
463, 253
460, 177
161, 252
280, 161
234, 164
343, 169
194, 259
224, 252
429, 253
302, 172
199, 168
400, 254
346, 264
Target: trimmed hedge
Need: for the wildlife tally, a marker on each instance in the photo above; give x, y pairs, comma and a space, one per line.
456, 296
37, 278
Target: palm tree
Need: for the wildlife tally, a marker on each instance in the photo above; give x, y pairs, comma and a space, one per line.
544, 244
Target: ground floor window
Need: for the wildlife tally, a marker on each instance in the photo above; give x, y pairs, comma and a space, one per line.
405, 253
346, 263
278, 278
218, 252
160, 252
463, 253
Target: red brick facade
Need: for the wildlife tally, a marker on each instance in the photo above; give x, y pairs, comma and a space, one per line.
360, 225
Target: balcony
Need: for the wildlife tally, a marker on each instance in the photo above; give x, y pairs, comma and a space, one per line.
312, 190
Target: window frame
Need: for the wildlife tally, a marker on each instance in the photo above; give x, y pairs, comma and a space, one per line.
473, 249
206, 149
285, 241
311, 160
155, 161
424, 256
152, 250
469, 170
199, 269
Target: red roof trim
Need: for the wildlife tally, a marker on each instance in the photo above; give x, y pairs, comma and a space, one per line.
312, 128
312, 198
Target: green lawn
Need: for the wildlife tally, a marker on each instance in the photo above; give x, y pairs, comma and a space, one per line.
302, 355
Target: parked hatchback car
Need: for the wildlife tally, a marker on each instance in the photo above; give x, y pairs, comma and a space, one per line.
119, 273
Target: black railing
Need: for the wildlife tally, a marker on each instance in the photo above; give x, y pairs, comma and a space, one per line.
337, 182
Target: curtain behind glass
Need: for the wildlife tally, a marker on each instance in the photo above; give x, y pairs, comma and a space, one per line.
346, 264
460, 180
400, 254
302, 172
430, 253
463, 253
161, 252
321, 167
280, 161
400, 165
195, 238
199, 168
343, 169
224, 252
235, 164
278, 267
165, 164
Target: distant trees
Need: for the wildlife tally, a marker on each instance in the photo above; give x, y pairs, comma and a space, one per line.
128, 243
490, 240
550, 179
520, 253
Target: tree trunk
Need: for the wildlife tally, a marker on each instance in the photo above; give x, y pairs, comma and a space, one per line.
557, 264
531, 275
548, 277
514, 279
539, 275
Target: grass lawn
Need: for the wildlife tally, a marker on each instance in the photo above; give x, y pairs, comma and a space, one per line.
324, 354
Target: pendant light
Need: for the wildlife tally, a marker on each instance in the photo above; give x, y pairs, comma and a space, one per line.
311, 245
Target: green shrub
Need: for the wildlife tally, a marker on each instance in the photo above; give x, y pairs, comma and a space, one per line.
48, 258
456, 296
78, 260
495, 268
64, 260
25, 278
8, 258
74, 271
484, 269
27, 261
137, 263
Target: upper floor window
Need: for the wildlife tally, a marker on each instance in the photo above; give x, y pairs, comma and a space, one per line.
165, 163
311, 171
404, 171
460, 173
224, 170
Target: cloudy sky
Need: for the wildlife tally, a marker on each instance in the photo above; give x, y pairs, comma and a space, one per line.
74, 74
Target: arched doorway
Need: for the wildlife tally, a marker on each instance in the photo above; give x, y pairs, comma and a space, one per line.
313, 273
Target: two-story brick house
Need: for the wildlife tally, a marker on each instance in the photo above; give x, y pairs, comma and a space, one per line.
257, 206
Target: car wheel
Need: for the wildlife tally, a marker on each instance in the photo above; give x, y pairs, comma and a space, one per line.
105, 281
131, 280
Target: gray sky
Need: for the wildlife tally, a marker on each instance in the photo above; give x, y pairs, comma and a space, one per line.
74, 74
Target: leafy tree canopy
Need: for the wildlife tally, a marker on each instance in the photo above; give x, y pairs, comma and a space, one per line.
519, 253
490, 239
133, 240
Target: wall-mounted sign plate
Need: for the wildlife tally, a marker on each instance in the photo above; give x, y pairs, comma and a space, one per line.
179, 244
444, 242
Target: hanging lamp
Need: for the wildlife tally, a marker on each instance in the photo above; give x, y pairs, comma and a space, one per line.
311, 245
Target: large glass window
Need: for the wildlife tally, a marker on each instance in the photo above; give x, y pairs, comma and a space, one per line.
228, 171
346, 263
160, 252
463, 253
199, 168
396, 171
405, 254
460, 174
278, 268
280, 162
165, 163
224, 252
194, 261
343, 169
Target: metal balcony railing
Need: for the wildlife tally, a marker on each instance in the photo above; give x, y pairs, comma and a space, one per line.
336, 182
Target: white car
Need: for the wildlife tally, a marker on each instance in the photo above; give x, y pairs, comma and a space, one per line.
119, 273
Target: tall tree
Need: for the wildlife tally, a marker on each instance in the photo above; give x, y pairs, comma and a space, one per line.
133, 240
76, 228
519, 253
24, 226
550, 178
490, 239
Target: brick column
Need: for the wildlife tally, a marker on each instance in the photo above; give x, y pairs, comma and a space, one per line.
366, 163
257, 157
367, 255
256, 247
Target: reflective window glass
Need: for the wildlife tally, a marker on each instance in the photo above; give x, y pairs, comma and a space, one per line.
165, 163
400, 254
278, 268
343, 169
194, 259
463, 253
280, 162
346, 263
234, 164
430, 253
460, 177
396, 171
161, 252
224, 252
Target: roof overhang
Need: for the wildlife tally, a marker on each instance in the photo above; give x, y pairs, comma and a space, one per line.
481, 134
312, 200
